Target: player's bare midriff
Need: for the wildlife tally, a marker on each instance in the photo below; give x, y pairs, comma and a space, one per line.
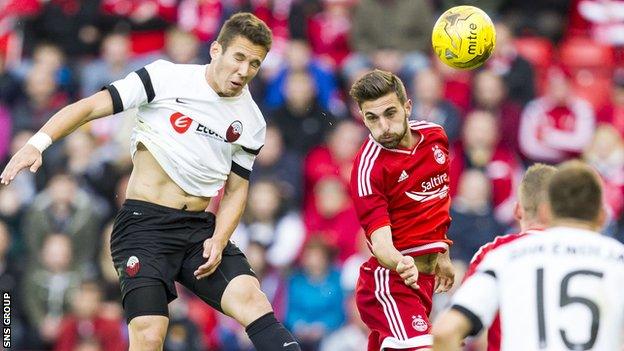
149, 182
426, 263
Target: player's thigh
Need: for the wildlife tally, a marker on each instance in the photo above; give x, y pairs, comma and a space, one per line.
233, 277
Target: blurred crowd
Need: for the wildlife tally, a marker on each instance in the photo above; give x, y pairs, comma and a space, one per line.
553, 90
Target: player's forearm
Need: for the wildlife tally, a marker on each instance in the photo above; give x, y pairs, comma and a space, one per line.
383, 248
230, 210
73, 116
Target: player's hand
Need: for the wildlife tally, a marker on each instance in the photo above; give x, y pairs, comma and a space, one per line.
213, 250
445, 276
408, 271
27, 156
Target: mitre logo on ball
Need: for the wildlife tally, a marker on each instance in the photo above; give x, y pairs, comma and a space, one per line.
234, 131
132, 266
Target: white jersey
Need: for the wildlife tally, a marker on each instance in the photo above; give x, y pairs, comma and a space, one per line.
561, 289
196, 136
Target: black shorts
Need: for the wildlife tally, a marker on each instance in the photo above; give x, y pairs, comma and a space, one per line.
157, 245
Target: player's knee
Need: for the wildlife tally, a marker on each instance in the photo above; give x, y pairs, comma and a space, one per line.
244, 301
147, 333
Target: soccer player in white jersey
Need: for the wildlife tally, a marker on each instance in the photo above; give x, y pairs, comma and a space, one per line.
559, 289
198, 130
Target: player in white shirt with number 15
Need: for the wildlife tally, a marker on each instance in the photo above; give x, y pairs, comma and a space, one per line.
560, 289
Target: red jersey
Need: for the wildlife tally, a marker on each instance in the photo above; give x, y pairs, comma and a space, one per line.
405, 189
494, 333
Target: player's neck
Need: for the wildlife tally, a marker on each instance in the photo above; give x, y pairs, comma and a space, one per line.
531, 225
409, 140
575, 223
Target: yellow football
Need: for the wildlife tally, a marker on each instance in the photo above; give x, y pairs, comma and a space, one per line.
463, 37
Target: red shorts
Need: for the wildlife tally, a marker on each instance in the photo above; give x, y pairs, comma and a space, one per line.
397, 315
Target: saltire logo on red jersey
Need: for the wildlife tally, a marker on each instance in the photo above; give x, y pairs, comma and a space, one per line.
180, 123
424, 196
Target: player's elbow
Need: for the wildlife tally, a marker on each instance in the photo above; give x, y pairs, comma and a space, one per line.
95, 106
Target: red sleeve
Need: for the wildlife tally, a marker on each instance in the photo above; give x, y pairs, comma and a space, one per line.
369, 200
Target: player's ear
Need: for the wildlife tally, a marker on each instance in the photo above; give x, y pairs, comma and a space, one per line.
215, 49
408, 107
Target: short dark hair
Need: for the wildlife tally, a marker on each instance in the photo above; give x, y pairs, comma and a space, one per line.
533, 189
248, 26
376, 84
575, 192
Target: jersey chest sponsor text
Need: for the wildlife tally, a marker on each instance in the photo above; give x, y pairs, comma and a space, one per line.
181, 124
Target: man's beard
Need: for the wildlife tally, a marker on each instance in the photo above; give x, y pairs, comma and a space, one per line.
396, 138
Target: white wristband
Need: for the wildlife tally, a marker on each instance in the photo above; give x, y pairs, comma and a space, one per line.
40, 141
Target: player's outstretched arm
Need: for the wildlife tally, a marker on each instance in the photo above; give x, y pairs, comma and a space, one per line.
61, 124
230, 211
449, 330
389, 257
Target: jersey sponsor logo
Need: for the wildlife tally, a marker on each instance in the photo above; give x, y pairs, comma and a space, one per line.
132, 266
202, 129
419, 324
180, 123
234, 131
438, 155
431, 189
403, 176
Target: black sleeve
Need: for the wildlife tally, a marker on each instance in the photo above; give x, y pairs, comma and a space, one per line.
240, 170
117, 103
476, 323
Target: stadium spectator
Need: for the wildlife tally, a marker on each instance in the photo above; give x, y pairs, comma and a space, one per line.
50, 284
517, 73
323, 83
10, 88
182, 47
86, 322
73, 25
613, 112
480, 148
279, 163
456, 85
328, 32
430, 104
51, 57
115, 63
182, 333
334, 218
490, 94
315, 299
332, 158
202, 18
147, 19
390, 35
269, 223
41, 100
606, 155
558, 125
302, 119
352, 336
63, 208
471, 211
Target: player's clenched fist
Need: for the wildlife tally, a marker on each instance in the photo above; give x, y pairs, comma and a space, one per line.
408, 271
27, 156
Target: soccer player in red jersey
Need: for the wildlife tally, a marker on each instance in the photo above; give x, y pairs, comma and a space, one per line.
399, 185
531, 195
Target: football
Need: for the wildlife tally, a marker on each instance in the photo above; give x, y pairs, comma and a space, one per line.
463, 37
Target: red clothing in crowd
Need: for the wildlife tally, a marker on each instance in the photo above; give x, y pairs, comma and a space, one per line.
503, 170
202, 18
318, 164
406, 189
553, 133
339, 231
329, 37
107, 332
